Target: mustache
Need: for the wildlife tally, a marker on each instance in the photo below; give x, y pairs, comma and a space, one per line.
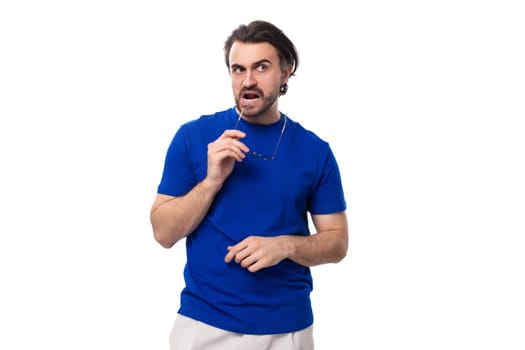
251, 91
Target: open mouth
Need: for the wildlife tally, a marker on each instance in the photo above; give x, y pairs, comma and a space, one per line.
249, 98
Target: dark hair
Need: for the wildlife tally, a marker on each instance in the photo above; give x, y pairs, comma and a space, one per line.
260, 32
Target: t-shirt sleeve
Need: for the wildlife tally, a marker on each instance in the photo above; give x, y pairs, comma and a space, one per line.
328, 196
178, 176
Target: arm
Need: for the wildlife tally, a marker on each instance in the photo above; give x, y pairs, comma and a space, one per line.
174, 218
328, 245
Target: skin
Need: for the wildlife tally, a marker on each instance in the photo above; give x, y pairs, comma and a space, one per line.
255, 72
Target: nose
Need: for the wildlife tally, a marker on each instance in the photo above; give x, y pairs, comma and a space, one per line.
249, 80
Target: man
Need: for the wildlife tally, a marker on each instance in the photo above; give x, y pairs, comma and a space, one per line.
238, 186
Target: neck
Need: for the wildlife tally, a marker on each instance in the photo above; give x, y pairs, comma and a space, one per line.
270, 116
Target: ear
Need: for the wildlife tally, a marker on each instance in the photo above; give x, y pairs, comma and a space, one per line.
286, 73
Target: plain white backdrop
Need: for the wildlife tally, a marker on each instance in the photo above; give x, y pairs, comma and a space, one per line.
423, 103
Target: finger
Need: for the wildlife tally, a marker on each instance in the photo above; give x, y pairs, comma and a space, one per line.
230, 153
239, 149
236, 134
228, 148
229, 256
248, 260
262, 262
240, 145
242, 255
233, 251
255, 267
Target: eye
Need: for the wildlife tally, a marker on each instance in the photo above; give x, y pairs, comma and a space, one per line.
237, 70
261, 67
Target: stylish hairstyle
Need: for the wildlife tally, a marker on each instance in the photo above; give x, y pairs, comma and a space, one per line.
260, 32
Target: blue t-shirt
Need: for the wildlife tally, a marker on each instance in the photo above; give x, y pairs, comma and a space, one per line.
260, 197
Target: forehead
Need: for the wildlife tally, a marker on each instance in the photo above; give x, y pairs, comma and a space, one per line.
245, 54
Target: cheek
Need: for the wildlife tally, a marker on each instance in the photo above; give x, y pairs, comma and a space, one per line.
236, 83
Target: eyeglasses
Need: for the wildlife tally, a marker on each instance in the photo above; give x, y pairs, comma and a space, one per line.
260, 155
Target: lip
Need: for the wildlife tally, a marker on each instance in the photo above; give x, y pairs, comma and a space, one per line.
254, 93
249, 103
248, 98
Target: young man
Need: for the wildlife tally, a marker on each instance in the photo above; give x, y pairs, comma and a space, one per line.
238, 186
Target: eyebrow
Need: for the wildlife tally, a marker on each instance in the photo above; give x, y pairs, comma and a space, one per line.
255, 64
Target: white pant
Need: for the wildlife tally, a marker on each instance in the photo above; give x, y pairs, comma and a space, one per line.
189, 334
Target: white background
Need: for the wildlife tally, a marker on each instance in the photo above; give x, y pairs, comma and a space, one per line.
422, 102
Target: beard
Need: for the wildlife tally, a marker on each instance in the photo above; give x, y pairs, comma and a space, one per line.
267, 103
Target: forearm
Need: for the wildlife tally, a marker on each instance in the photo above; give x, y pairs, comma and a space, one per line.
174, 218
317, 249
328, 245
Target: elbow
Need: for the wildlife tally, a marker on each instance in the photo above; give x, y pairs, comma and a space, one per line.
165, 243
341, 251
163, 238
161, 233
340, 255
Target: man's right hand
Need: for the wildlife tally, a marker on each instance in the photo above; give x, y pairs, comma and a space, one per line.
222, 154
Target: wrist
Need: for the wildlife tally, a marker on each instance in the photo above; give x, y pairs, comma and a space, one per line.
210, 186
288, 246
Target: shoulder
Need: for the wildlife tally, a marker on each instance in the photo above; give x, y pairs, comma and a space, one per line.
208, 126
306, 136
219, 118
